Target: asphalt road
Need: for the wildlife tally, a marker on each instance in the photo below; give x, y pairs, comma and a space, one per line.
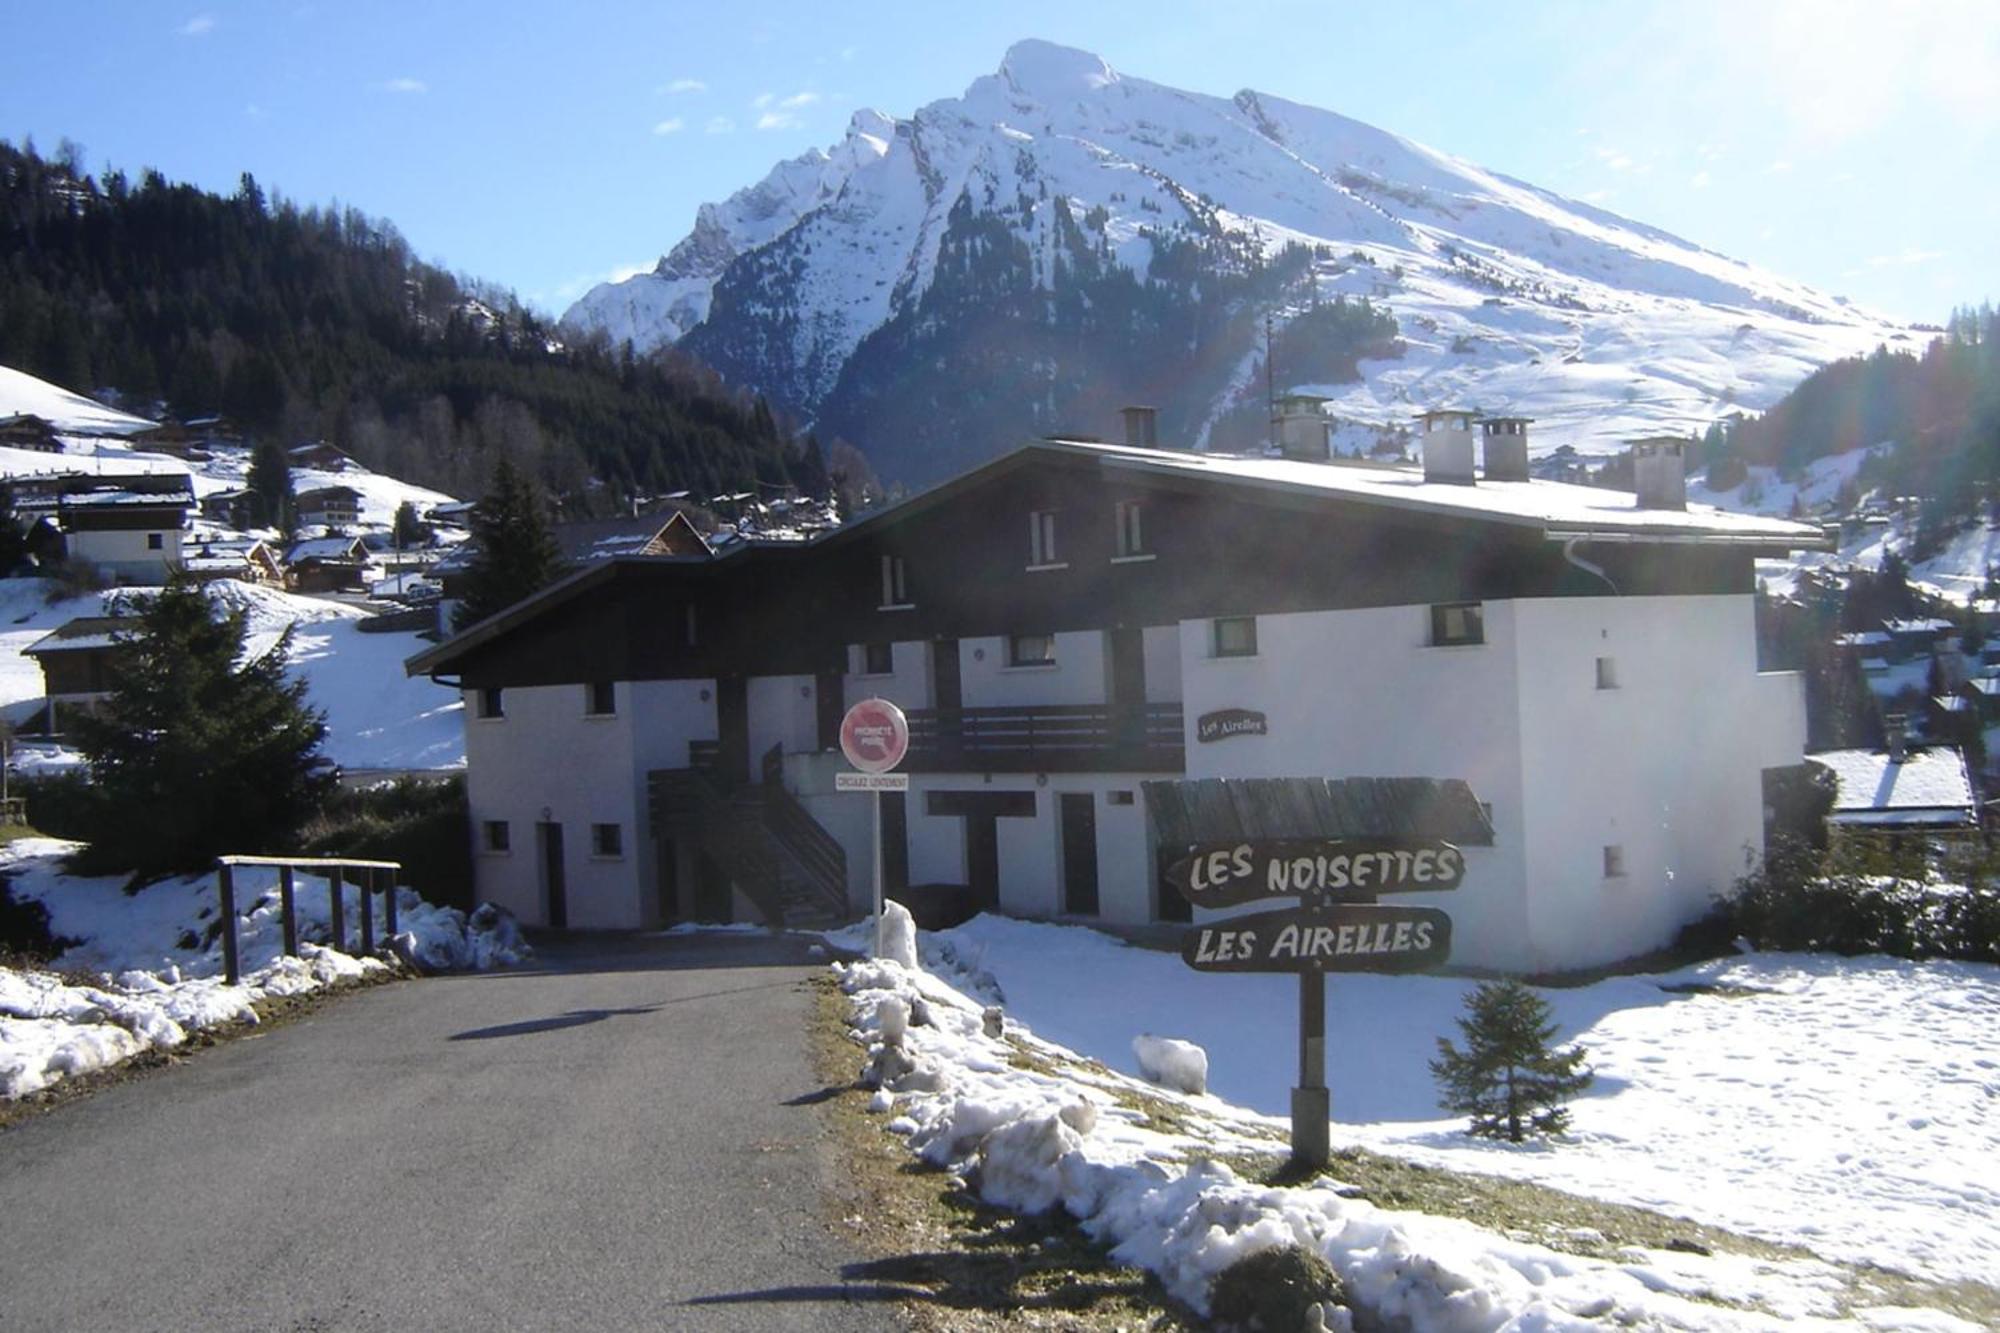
622, 1137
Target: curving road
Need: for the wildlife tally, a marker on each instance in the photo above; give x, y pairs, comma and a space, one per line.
621, 1137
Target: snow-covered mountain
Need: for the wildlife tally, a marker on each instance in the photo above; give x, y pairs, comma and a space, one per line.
1063, 238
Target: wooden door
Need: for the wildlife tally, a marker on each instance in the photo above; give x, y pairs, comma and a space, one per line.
982, 861
555, 889
1079, 853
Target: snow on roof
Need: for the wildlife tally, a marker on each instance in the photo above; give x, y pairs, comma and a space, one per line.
79, 634
1926, 787
325, 548
1918, 626
1951, 703
109, 499
1562, 509
1873, 638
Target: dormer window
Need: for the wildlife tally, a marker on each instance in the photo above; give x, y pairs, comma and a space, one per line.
1131, 532
1042, 540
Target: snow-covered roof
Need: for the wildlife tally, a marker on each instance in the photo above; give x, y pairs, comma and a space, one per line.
326, 548
1559, 508
122, 498
1873, 638
1929, 626
79, 634
1925, 787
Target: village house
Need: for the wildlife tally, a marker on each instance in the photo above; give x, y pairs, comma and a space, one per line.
1073, 620
128, 527
217, 432
318, 455
326, 564
245, 560
1899, 792
79, 665
336, 507
25, 430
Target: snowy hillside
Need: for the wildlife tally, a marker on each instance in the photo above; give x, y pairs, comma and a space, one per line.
1507, 296
68, 412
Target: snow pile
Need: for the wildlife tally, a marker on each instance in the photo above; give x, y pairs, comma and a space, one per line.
1180, 1065
1030, 1140
1850, 1104
158, 965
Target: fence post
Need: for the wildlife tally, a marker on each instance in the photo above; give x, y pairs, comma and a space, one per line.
225, 883
333, 886
367, 887
288, 903
389, 903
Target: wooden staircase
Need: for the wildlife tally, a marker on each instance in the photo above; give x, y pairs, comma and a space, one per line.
771, 849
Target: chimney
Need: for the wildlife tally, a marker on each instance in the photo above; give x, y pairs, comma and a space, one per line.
1445, 435
1302, 429
1506, 447
1142, 427
1659, 472
1895, 736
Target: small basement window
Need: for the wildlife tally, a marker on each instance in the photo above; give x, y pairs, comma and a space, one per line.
1607, 673
877, 659
600, 699
1458, 624
1236, 636
1614, 862
489, 702
607, 840
494, 836
1031, 650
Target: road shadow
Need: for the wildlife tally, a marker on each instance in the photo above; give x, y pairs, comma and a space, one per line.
580, 951
574, 1018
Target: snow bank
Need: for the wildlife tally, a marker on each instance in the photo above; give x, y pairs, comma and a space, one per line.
1180, 1065
1031, 1140
157, 957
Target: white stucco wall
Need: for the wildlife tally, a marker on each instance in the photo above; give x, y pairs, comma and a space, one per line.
1162, 653
1667, 766
124, 551
907, 686
1077, 677
783, 711
1363, 694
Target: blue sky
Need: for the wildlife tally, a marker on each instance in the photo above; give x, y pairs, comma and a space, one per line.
1854, 146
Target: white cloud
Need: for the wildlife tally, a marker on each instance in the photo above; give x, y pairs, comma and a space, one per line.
255, 112
1700, 180
406, 85
797, 100
563, 294
1596, 196
1778, 168
673, 125
719, 125
198, 26
685, 86
778, 120
762, 100
1904, 258
1615, 158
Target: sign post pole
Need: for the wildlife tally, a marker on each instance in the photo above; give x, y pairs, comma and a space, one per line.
1312, 1104
874, 735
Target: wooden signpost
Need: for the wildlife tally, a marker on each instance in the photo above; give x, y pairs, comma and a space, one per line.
1337, 926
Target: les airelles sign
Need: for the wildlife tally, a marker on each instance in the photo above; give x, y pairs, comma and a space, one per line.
1342, 938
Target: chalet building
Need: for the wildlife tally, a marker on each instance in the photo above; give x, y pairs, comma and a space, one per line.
237, 509
79, 666
25, 430
318, 455
1882, 795
130, 527
326, 564
244, 561
218, 432
337, 507
170, 438
655, 737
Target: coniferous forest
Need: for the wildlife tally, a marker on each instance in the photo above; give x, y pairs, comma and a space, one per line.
304, 322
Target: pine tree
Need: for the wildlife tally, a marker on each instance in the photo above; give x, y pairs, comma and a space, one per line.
270, 481
198, 751
1508, 1078
410, 530
515, 553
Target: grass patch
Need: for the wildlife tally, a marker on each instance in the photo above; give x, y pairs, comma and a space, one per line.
965, 1264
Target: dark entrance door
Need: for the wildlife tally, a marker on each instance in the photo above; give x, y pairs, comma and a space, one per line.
982, 860
1127, 684
948, 697
666, 875
1079, 853
827, 694
732, 719
711, 890
555, 891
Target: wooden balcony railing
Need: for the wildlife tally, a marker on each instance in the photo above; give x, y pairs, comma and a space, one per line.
1056, 738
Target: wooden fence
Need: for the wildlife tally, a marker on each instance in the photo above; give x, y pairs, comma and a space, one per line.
369, 876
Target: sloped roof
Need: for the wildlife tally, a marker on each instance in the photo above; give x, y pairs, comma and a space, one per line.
79, 634
1927, 787
327, 548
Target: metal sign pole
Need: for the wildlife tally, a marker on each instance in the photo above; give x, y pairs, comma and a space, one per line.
876, 802
1312, 1104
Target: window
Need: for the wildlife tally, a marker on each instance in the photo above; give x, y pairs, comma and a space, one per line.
156, 541
1236, 636
877, 659
600, 699
1118, 798
1131, 535
489, 702
1457, 623
895, 591
1607, 673
1041, 538
1614, 862
1031, 650
494, 835
607, 840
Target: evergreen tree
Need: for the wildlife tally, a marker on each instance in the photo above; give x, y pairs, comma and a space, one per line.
1508, 1078
270, 482
514, 555
198, 751
410, 530
13, 535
